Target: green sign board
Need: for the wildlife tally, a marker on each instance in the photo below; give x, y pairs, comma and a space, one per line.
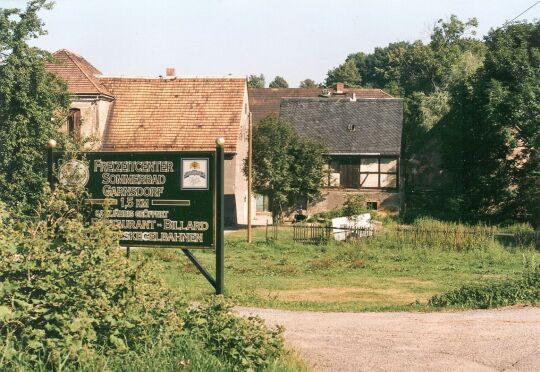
155, 198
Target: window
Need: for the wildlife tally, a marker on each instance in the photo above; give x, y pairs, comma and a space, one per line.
359, 172
371, 206
74, 124
261, 203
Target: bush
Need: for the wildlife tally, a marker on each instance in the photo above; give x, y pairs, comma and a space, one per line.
355, 205
494, 294
67, 292
245, 343
69, 299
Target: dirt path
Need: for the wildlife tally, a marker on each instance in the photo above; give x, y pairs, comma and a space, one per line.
480, 340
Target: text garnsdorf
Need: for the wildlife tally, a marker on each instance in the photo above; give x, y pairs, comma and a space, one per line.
129, 166
148, 192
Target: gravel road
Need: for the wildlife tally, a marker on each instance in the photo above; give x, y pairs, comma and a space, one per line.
481, 340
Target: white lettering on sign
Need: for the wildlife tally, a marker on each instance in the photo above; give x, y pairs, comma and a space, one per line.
133, 179
130, 166
151, 192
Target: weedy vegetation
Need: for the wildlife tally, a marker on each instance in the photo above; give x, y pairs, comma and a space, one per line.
70, 300
524, 290
400, 268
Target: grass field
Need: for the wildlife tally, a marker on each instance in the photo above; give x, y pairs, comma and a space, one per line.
375, 274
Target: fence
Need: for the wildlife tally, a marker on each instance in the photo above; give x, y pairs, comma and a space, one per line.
315, 234
457, 238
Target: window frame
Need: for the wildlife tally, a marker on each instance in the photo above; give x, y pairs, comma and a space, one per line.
74, 122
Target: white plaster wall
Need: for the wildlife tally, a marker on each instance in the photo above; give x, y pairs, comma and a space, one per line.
240, 189
94, 117
103, 109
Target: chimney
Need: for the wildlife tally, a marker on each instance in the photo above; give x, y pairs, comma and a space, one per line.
171, 71
340, 87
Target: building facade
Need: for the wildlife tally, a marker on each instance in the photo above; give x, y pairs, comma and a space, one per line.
363, 137
165, 113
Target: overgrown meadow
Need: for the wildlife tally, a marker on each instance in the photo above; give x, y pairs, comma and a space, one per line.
394, 270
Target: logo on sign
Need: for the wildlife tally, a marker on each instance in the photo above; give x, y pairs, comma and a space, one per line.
73, 173
195, 174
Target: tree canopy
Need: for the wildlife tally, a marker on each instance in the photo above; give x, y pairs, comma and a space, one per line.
256, 81
288, 168
473, 103
308, 83
279, 82
33, 104
346, 73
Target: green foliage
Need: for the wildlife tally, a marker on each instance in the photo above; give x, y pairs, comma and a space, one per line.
279, 82
525, 289
346, 73
355, 205
245, 343
255, 81
68, 293
33, 106
308, 83
290, 176
497, 112
386, 272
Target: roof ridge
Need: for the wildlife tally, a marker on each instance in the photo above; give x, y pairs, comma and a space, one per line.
220, 77
82, 69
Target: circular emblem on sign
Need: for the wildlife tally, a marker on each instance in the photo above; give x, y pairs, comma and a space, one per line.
73, 173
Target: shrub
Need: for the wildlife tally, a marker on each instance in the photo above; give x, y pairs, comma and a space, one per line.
355, 205
67, 291
525, 289
245, 343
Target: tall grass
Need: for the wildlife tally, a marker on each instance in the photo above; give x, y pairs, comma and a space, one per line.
432, 234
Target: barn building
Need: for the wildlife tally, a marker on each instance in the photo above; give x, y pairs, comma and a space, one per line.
363, 137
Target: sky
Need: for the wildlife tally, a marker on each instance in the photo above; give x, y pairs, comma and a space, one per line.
296, 39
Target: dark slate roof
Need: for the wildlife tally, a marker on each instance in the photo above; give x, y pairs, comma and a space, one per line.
266, 101
377, 123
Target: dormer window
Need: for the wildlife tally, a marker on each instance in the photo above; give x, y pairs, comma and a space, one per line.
74, 124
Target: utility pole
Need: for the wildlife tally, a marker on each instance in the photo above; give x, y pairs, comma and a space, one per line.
250, 165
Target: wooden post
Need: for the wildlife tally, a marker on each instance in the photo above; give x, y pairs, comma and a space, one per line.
250, 165
50, 159
220, 215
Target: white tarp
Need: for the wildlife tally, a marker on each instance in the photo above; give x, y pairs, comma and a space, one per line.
342, 226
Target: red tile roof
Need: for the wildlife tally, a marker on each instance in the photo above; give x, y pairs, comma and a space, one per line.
174, 113
80, 76
266, 101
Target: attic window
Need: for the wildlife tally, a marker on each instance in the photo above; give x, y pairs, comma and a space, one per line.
351, 127
74, 124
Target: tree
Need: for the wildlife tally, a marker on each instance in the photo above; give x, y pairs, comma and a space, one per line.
288, 168
255, 81
279, 82
506, 105
308, 83
346, 73
33, 104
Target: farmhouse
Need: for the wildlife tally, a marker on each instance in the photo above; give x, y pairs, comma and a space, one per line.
165, 113
363, 136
